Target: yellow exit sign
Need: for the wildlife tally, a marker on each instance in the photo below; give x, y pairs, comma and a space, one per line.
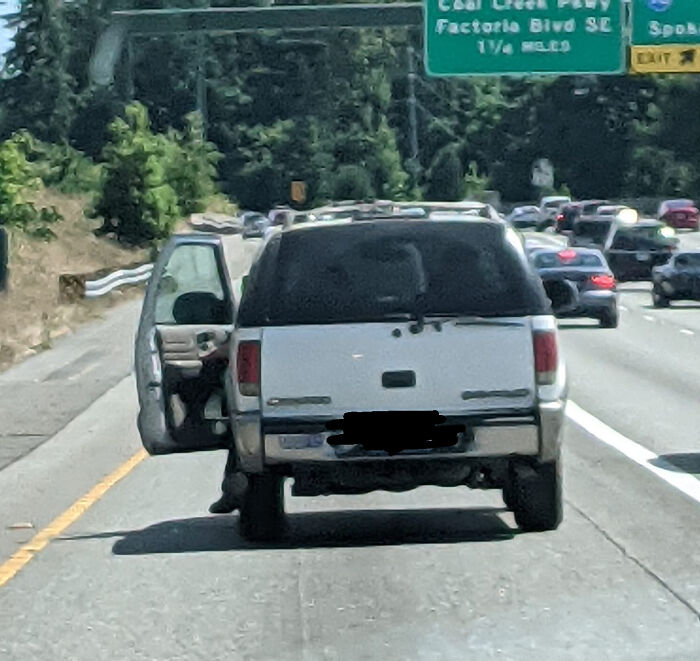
681, 58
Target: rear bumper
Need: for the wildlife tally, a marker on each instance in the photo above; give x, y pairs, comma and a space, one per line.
537, 437
591, 303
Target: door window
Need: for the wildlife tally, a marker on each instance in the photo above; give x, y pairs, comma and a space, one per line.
191, 288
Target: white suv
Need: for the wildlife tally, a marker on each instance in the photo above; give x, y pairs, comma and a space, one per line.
366, 355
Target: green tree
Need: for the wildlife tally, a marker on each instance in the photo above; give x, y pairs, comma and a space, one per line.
445, 177
38, 91
135, 201
352, 182
190, 162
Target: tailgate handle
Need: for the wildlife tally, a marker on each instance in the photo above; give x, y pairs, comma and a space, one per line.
400, 379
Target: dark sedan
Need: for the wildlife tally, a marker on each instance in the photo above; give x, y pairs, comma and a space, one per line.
254, 224
677, 280
582, 278
633, 251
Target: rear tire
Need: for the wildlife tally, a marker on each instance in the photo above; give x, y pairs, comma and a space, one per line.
538, 497
509, 496
609, 318
659, 299
262, 512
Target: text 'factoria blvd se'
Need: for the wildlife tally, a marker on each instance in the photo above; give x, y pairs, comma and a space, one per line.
487, 37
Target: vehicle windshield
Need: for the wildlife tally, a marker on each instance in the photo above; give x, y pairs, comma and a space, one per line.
688, 260
551, 260
360, 274
679, 204
597, 230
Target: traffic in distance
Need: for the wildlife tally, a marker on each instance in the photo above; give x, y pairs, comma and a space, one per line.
416, 340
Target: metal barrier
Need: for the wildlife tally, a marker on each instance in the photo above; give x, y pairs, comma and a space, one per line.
95, 288
74, 287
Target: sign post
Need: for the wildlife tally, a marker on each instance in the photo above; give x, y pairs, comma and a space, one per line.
665, 36
522, 37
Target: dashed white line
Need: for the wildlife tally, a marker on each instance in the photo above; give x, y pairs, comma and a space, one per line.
684, 482
624, 308
648, 317
686, 331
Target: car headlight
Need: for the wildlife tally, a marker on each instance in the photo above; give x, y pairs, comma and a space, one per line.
628, 216
668, 232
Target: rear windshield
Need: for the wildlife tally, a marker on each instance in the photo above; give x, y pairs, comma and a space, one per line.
361, 273
553, 260
691, 259
595, 229
679, 204
591, 207
636, 238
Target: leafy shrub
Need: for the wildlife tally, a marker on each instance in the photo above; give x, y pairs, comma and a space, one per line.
60, 166
16, 180
135, 200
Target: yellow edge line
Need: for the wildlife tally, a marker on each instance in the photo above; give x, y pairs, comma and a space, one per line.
21, 557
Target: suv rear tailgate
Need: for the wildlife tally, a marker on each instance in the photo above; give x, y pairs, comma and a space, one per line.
468, 366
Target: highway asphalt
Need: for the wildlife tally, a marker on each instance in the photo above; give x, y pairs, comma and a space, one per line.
147, 573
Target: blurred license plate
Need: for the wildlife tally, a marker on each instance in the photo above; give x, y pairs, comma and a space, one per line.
300, 441
643, 256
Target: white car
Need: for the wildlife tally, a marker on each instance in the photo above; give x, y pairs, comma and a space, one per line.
365, 355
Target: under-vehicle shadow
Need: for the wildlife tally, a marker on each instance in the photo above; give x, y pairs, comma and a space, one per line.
348, 528
574, 325
638, 287
676, 306
684, 462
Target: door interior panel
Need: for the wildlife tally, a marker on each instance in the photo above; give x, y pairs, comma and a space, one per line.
184, 346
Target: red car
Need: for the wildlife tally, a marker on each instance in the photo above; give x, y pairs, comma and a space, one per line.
680, 214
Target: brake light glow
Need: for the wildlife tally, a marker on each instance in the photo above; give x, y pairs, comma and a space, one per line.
248, 368
560, 217
545, 349
567, 255
603, 281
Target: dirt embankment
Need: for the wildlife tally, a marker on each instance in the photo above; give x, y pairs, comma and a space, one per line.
30, 313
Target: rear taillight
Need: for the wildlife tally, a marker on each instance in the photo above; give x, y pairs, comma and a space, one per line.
545, 346
603, 281
559, 217
248, 368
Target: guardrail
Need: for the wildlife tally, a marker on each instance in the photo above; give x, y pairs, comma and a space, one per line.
74, 287
95, 288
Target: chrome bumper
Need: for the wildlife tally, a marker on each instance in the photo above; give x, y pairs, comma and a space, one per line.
543, 441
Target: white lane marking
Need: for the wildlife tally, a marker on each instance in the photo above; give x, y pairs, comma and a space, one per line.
684, 482
649, 317
686, 331
624, 308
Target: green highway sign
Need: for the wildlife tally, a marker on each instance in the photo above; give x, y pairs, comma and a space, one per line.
664, 22
519, 37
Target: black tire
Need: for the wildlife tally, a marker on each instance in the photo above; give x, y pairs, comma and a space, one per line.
609, 318
658, 299
262, 512
509, 495
539, 501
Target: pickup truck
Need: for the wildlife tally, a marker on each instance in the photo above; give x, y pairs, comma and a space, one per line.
365, 355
